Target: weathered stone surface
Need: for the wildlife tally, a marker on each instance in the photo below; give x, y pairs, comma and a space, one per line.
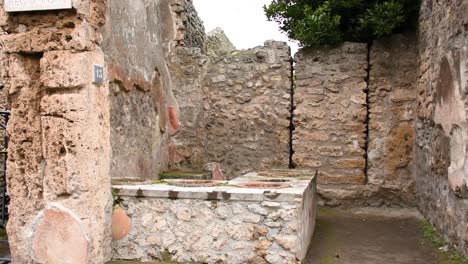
187, 67
135, 134
46, 128
392, 110
209, 224
196, 230
218, 44
441, 178
24, 177
188, 30
195, 36
58, 151
232, 106
330, 112
3, 81
248, 99
69, 33
141, 83
69, 135
60, 69
59, 238
171, 103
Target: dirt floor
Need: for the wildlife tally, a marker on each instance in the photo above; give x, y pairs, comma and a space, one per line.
369, 237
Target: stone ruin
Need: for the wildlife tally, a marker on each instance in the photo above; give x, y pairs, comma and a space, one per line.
255, 218
383, 124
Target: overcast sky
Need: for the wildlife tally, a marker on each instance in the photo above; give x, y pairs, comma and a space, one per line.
243, 21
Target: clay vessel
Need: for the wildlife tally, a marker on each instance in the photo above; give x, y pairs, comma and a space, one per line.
121, 223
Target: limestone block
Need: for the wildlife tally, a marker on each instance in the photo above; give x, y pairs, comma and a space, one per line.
306, 161
3, 16
64, 69
351, 164
62, 137
337, 177
80, 37
93, 11
72, 107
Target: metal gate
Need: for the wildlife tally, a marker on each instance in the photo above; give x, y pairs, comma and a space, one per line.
4, 198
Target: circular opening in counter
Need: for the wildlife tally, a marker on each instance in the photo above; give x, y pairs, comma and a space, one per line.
195, 183
263, 185
273, 180
282, 174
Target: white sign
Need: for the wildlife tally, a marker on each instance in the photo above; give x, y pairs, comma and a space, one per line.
33, 5
98, 74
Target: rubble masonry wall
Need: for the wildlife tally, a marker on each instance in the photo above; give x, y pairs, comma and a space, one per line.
441, 163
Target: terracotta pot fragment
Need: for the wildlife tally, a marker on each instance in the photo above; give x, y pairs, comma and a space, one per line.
121, 224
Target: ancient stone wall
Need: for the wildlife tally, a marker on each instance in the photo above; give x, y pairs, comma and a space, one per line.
140, 84
392, 110
59, 149
247, 103
231, 103
353, 118
190, 31
330, 113
218, 44
187, 149
195, 36
441, 163
187, 64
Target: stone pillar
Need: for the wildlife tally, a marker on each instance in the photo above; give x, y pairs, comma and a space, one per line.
58, 168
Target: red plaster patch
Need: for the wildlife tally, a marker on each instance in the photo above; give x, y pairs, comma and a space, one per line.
217, 174
59, 238
173, 119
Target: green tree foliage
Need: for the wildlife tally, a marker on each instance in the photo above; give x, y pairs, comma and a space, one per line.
319, 22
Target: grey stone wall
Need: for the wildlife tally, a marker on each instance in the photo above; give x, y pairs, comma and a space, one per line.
330, 113
189, 28
234, 106
188, 67
441, 164
195, 36
187, 63
247, 109
392, 111
218, 44
135, 134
